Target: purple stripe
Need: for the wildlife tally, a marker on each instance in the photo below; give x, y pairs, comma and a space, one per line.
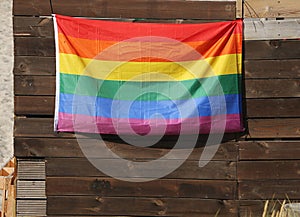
89, 124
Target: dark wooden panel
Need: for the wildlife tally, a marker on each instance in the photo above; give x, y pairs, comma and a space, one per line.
93, 205
34, 85
36, 127
289, 107
267, 170
34, 46
37, 105
35, 147
273, 49
268, 150
33, 26
34, 65
272, 68
279, 189
147, 9
274, 128
81, 167
31, 7
251, 208
272, 88
109, 187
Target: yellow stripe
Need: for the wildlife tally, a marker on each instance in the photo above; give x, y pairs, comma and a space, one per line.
150, 71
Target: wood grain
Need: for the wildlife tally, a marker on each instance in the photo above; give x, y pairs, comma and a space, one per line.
34, 65
34, 85
96, 205
81, 167
108, 187
269, 150
33, 27
31, 7
269, 189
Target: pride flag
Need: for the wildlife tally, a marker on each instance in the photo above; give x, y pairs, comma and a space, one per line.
147, 78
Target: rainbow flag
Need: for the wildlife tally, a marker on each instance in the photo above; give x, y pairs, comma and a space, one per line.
147, 78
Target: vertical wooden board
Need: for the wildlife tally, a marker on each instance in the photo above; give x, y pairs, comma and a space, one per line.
213, 189
97, 205
170, 9
31, 7
271, 8
269, 150
263, 190
274, 128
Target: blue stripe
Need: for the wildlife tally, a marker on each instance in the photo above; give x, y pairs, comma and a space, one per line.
102, 107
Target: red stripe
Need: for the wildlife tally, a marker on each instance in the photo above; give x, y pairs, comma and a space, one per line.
102, 30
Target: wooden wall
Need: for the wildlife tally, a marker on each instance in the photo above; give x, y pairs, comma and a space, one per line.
264, 163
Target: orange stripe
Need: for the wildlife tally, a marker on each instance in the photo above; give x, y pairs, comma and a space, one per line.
91, 48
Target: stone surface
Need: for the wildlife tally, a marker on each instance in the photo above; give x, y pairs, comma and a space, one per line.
6, 82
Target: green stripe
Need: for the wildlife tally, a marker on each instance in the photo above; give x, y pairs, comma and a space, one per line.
174, 90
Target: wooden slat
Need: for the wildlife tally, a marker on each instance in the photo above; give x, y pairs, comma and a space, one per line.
31, 169
34, 65
257, 108
279, 189
34, 85
266, 29
268, 170
31, 189
31, 208
35, 147
251, 207
78, 167
272, 88
33, 26
272, 49
269, 150
272, 68
109, 187
34, 46
274, 128
270, 8
147, 9
31, 7
43, 105
93, 205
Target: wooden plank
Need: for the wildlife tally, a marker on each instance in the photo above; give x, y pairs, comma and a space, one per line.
251, 207
271, 29
31, 189
272, 68
268, 170
34, 46
34, 65
147, 9
81, 167
43, 105
272, 49
31, 169
269, 150
97, 205
31, 7
274, 128
272, 88
279, 189
108, 187
289, 107
31, 208
35, 147
33, 26
34, 85
270, 8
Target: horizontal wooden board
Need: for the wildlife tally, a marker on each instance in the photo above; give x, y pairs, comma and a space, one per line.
272, 68
271, 29
274, 128
34, 65
108, 187
40, 147
81, 167
268, 170
31, 7
255, 88
31, 189
269, 150
279, 189
31, 169
34, 46
270, 8
33, 26
96, 205
34, 105
248, 208
31, 207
